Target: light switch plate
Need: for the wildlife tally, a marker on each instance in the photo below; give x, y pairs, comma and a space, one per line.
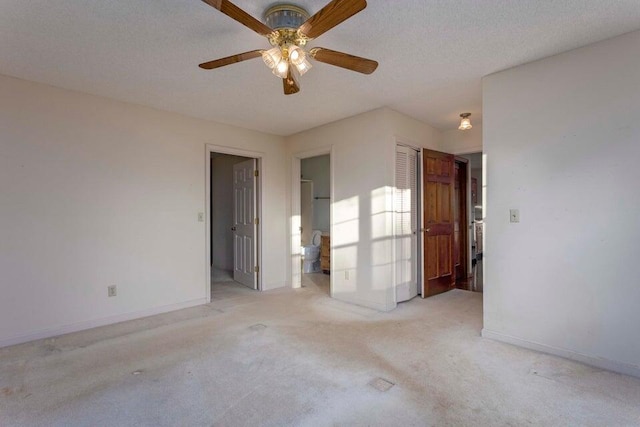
514, 215
200, 216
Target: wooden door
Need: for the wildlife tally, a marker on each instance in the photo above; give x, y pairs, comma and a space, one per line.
474, 191
460, 221
439, 181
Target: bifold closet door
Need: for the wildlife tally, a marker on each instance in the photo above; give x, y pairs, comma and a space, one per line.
406, 223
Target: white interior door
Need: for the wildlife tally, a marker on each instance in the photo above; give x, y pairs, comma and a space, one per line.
306, 211
245, 224
406, 223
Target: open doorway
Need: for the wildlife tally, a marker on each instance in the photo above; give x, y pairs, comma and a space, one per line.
476, 221
234, 219
438, 230
461, 216
315, 208
312, 191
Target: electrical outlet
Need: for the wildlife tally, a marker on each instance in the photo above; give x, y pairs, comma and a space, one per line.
200, 216
112, 290
514, 215
346, 275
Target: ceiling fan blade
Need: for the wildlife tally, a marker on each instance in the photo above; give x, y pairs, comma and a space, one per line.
230, 60
344, 60
233, 11
291, 84
331, 15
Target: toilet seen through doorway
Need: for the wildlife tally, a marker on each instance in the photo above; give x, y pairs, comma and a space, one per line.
311, 253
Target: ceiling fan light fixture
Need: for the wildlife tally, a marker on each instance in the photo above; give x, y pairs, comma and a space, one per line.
282, 69
272, 57
303, 66
465, 122
296, 55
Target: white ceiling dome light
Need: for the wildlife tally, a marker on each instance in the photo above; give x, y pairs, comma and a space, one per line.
465, 122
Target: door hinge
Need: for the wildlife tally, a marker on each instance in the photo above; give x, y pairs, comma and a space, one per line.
256, 173
256, 221
256, 269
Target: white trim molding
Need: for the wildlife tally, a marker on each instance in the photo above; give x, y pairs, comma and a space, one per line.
598, 362
294, 257
104, 321
468, 150
221, 149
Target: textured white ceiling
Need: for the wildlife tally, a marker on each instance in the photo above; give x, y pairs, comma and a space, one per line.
432, 54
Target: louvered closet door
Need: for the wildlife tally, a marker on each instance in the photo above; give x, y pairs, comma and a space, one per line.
406, 223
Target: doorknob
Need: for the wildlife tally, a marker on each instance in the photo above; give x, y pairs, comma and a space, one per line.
233, 228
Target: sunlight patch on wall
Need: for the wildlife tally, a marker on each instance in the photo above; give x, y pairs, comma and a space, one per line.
382, 212
382, 263
346, 223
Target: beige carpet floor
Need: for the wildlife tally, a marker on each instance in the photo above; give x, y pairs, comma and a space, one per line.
299, 358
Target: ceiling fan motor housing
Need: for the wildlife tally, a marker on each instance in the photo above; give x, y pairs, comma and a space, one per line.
285, 16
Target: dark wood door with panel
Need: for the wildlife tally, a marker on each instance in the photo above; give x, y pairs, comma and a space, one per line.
438, 186
460, 221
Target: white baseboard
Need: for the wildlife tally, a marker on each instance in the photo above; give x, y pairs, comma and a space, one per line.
363, 303
89, 324
599, 362
276, 285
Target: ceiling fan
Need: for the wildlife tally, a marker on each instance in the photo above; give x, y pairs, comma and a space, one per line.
288, 29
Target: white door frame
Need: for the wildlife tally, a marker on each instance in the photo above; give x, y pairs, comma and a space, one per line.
211, 148
294, 220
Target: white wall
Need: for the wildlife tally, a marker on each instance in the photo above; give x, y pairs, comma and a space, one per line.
562, 137
95, 192
363, 178
456, 141
317, 170
475, 160
222, 209
406, 130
